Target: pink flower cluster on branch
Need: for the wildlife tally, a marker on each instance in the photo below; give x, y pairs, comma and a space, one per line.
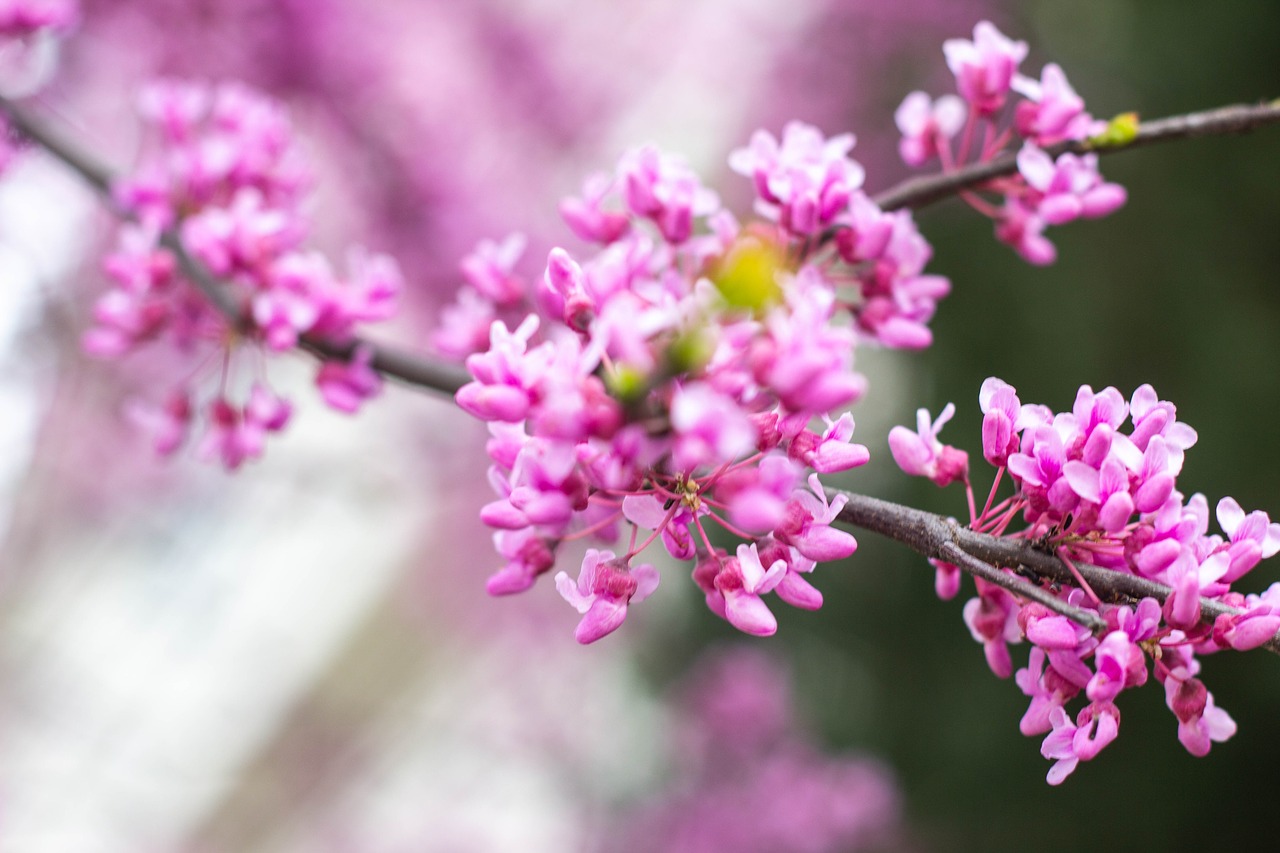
1098, 494
974, 128
687, 372
227, 175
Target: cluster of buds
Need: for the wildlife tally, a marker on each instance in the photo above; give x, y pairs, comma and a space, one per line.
1045, 190
1100, 495
688, 371
228, 179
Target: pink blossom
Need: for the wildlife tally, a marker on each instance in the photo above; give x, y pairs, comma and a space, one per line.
1067, 188
585, 216
664, 189
1068, 744
984, 68
528, 555
1200, 721
992, 619
506, 376
805, 181
806, 525
168, 424
742, 580
346, 386
1053, 112
1253, 537
490, 269
920, 454
927, 125
1022, 228
832, 451
464, 325
710, 428
606, 585
1000, 408
756, 497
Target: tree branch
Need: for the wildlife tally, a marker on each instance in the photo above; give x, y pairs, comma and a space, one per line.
432, 374
1241, 118
938, 537
444, 377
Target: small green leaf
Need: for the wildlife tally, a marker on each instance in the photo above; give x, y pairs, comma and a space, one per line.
1120, 131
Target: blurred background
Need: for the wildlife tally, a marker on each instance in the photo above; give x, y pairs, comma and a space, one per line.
301, 656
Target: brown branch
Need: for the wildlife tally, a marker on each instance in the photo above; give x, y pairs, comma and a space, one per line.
1241, 118
441, 376
416, 370
938, 537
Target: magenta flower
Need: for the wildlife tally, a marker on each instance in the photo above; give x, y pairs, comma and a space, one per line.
1001, 409
920, 454
806, 525
742, 580
346, 386
606, 585
984, 68
710, 428
805, 181
587, 219
662, 188
927, 125
1067, 188
1068, 744
528, 556
1053, 112
490, 269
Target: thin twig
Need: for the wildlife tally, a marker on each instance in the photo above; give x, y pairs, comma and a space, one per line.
1240, 118
420, 371
928, 534
952, 553
437, 375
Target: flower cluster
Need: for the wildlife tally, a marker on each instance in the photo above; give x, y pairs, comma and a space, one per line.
228, 180
688, 370
1046, 190
1099, 494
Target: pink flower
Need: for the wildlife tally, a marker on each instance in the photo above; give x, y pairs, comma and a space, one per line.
1096, 726
1067, 188
346, 386
927, 125
585, 216
992, 619
756, 496
984, 68
167, 425
920, 454
528, 556
710, 428
806, 526
806, 181
604, 589
1000, 408
490, 269
1053, 112
742, 580
662, 188
1253, 537
832, 451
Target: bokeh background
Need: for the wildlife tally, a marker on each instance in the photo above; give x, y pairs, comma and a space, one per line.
301, 657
